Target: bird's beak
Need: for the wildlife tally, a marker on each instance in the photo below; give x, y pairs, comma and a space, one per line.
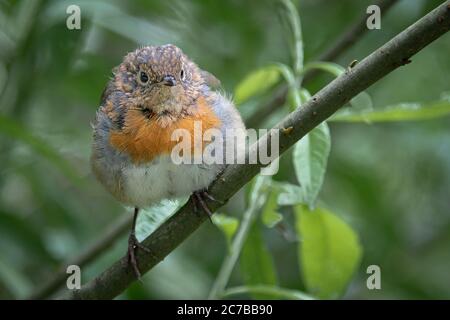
169, 81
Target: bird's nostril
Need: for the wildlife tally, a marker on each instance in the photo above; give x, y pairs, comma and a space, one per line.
169, 81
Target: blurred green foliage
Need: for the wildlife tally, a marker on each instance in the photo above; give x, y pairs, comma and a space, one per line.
387, 182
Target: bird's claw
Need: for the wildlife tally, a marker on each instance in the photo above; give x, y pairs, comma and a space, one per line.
133, 245
199, 200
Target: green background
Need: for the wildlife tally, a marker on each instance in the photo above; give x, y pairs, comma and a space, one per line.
389, 181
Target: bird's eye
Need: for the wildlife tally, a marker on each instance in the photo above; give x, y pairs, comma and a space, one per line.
143, 77
182, 74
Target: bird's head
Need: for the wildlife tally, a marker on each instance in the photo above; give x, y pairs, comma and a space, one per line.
160, 80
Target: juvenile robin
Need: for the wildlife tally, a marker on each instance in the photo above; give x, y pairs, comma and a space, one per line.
154, 91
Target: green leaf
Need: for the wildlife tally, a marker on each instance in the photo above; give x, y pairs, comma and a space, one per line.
14, 281
329, 251
151, 218
257, 82
16, 131
329, 67
304, 95
228, 225
259, 191
25, 234
362, 102
310, 161
257, 266
295, 27
269, 216
293, 97
101, 13
399, 112
289, 194
272, 291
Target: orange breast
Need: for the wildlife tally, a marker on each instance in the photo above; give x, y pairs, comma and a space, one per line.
144, 139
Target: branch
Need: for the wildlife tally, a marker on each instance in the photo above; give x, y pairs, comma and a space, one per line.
177, 228
342, 44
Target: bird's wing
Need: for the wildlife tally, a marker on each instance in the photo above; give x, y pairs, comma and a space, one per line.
210, 79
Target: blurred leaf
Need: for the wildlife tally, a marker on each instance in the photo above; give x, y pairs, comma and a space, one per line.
227, 224
151, 218
111, 17
259, 190
304, 95
256, 83
289, 194
3, 76
257, 266
310, 161
362, 102
15, 282
25, 234
16, 131
329, 67
329, 251
295, 27
269, 216
399, 112
294, 98
272, 291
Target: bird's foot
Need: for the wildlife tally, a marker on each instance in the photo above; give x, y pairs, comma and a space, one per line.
199, 199
133, 245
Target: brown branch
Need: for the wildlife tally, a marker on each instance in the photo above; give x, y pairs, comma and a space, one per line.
176, 229
342, 44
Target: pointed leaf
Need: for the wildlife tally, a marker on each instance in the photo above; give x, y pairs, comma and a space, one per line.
329, 251
329, 67
399, 112
269, 216
290, 194
18, 132
362, 102
257, 265
310, 161
256, 83
151, 218
227, 224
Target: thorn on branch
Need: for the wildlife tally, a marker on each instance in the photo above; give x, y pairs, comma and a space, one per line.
287, 131
406, 61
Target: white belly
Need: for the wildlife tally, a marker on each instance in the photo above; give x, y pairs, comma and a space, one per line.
145, 185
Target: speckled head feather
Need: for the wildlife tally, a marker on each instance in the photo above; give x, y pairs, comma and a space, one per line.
159, 79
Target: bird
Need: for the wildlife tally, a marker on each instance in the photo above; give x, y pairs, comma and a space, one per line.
152, 92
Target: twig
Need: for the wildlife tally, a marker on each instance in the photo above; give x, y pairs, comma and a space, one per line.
344, 42
177, 228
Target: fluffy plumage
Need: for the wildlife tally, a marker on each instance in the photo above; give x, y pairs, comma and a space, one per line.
131, 147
